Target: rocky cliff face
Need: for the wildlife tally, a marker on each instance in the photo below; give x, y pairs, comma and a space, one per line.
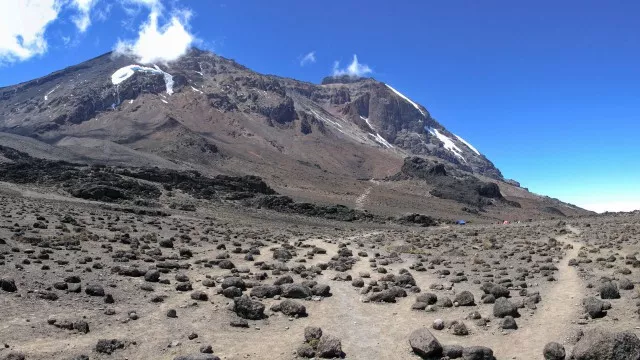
313, 142
393, 120
77, 101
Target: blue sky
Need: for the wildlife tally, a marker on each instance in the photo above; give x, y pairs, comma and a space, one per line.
548, 90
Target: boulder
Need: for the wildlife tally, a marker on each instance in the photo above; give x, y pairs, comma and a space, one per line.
266, 291
477, 353
605, 345
464, 298
553, 351
594, 307
503, 307
296, 291
8, 285
609, 290
452, 351
248, 309
290, 307
329, 347
424, 344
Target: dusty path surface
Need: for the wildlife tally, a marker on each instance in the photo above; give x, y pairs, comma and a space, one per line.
366, 330
361, 200
560, 307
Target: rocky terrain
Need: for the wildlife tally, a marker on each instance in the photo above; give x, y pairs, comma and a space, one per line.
117, 278
198, 211
345, 141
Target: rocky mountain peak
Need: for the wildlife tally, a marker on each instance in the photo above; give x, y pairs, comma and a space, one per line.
343, 79
114, 98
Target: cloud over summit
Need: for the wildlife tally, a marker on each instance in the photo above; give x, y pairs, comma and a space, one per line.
355, 69
24, 25
156, 43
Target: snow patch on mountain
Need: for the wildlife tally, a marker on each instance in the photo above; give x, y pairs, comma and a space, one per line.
367, 121
407, 100
46, 96
468, 145
448, 143
381, 140
126, 72
377, 137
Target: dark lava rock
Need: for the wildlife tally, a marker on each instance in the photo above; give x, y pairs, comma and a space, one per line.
609, 290
306, 351
233, 281
477, 353
290, 308
329, 347
424, 344
452, 351
266, 291
312, 333
610, 346
296, 291
428, 298
464, 298
460, 329
625, 284
387, 296
14, 356
503, 307
198, 356
199, 295
553, 351
496, 290
8, 285
594, 307
94, 290
184, 286
321, 290
152, 276
108, 346
248, 309
232, 292
239, 323
509, 323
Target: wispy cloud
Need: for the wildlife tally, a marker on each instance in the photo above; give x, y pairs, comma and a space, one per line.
83, 19
102, 14
354, 69
22, 28
308, 58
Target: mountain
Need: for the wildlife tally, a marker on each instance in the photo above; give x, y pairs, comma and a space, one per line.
353, 141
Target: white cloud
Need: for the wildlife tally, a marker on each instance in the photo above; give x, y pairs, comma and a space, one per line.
22, 28
157, 43
354, 69
83, 19
309, 58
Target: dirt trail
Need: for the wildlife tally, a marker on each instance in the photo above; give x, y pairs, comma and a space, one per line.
560, 306
362, 199
367, 331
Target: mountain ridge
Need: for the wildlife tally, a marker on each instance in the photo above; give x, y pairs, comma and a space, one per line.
209, 113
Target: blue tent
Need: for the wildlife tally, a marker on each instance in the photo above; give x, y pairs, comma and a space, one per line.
461, 222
